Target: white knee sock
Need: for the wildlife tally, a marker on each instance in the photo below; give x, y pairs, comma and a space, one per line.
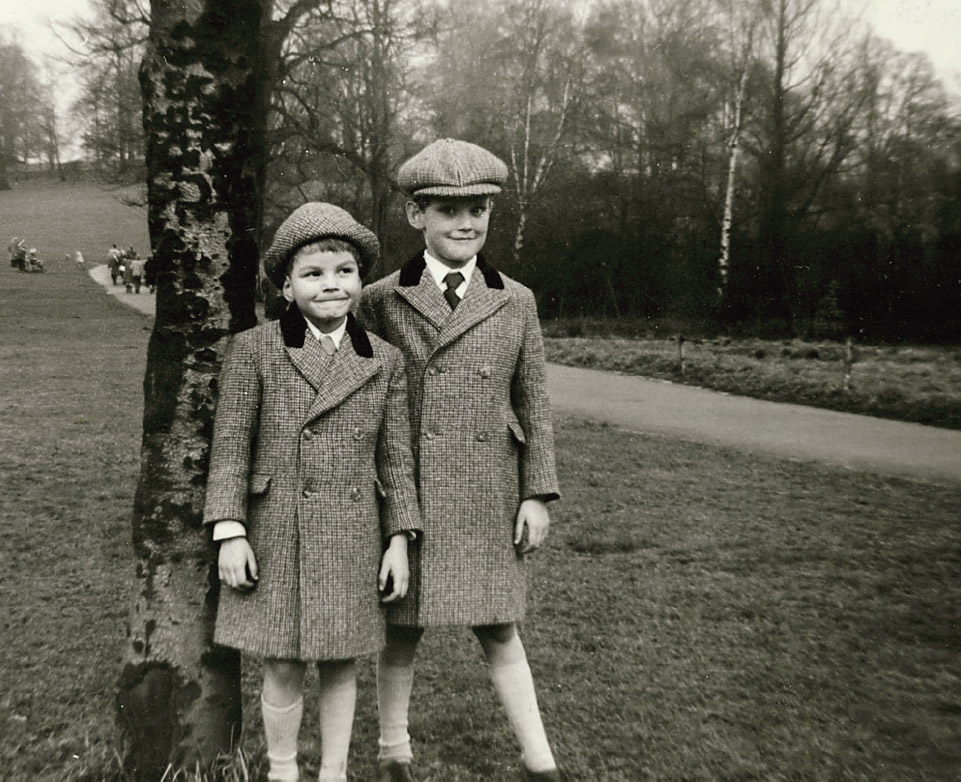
281, 727
514, 686
338, 696
394, 683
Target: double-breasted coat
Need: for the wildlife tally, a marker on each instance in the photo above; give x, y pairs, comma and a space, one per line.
481, 433
312, 453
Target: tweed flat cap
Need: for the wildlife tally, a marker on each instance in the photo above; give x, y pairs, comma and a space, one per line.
311, 222
449, 167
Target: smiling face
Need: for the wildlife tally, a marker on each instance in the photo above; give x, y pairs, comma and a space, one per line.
324, 284
454, 229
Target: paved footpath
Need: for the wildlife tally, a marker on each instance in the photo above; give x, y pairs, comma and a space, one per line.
639, 404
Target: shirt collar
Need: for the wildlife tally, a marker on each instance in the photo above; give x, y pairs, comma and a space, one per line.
336, 335
438, 270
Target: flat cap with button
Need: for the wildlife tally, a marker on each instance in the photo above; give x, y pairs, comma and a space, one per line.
452, 168
312, 222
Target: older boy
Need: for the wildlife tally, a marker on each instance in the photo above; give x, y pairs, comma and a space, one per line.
482, 440
310, 488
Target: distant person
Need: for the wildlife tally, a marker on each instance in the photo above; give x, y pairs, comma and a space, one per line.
14, 249
485, 457
127, 272
79, 261
114, 257
136, 273
18, 257
310, 490
34, 262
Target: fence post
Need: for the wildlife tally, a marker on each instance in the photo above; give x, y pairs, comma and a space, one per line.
680, 353
848, 361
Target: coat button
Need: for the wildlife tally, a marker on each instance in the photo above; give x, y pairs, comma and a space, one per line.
307, 494
482, 437
355, 494
428, 435
308, 434
484, 371
431, 371
358, 434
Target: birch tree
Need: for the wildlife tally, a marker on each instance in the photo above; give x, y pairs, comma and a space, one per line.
741, 30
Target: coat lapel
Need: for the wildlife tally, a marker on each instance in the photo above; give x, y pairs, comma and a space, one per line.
304, 354
421, 292
485, 295
336, 377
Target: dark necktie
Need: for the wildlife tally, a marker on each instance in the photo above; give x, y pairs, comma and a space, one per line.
453, 281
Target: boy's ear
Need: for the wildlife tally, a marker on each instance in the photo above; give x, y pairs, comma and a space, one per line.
415, 216
287, 290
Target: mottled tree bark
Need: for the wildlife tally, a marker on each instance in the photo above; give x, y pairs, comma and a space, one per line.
205, 103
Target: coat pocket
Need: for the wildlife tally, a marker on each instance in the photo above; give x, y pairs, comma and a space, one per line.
517, 430
258, 484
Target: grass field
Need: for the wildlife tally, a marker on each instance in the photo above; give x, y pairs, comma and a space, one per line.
699, 613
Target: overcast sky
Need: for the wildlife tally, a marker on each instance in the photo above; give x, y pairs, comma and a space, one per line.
932, 26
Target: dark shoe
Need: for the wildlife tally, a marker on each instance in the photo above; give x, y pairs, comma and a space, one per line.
541, 776
394, 771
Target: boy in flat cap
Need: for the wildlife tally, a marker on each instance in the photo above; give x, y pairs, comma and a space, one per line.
482, 441
310, 489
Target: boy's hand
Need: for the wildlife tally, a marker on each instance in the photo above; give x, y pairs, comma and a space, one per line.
236, 564
394, 575
533, 523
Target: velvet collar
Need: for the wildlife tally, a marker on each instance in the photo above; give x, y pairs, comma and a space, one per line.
293, 326
410, 272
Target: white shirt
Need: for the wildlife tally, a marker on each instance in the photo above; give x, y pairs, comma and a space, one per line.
235, 529
439, 270
336, 335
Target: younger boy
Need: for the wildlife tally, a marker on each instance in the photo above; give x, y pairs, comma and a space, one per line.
310, 489
482, 440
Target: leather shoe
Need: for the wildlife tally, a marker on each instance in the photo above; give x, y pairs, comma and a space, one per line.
394, 771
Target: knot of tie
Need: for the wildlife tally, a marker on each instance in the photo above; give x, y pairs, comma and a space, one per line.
327, 344
453, 281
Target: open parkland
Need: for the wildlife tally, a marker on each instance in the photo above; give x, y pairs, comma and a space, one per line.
701, 612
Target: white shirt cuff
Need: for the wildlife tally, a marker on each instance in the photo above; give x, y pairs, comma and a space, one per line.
229, 529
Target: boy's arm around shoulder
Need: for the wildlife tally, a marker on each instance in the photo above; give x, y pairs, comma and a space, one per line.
367, 309
400, 511
531, 403
235, 426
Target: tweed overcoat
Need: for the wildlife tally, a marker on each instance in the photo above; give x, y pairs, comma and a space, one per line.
481, 435
312, 454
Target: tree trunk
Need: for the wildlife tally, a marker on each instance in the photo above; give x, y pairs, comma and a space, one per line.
205, 101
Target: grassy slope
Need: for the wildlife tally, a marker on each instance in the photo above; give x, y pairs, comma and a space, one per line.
59, 218
698, 614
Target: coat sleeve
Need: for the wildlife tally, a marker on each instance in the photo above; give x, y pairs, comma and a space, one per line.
395, 462
366, 313
235, 427
538, 475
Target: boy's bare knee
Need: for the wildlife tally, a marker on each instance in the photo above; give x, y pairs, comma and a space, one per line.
283, 681
496, 634
336, 670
